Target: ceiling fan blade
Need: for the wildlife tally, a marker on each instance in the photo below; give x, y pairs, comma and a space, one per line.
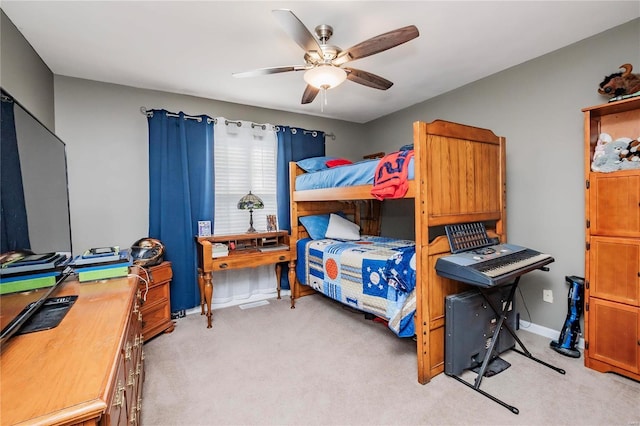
297, 31
378, 44
309, 94
267, 71
367, 79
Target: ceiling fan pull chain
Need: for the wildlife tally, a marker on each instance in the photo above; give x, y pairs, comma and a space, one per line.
323, 98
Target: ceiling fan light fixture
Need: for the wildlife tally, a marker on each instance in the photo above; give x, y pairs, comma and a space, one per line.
325, 76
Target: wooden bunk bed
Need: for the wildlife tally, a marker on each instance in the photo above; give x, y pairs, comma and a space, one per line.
459, 177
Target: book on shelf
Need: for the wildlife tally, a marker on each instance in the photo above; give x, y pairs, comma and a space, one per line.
28, 282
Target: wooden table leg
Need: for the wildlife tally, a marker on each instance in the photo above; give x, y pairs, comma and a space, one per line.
278, 277
208, 294
292, 281
201, 286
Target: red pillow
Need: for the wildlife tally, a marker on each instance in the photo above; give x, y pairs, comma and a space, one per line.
337, 162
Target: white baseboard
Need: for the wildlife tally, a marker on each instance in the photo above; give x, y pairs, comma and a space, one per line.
254, 298
524, 325
545, 332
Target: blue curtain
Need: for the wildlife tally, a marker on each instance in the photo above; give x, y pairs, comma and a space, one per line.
293, 144
14, 229
181, 182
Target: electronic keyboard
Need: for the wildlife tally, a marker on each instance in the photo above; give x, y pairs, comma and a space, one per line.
493, 265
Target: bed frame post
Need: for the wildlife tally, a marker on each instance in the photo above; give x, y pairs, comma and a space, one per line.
422, 253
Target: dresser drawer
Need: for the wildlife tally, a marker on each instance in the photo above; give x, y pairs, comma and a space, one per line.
237, 261
155, 320
155, 300
157, 274
157, 293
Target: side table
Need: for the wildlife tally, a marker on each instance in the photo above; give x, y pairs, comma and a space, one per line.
247, 250
156, 300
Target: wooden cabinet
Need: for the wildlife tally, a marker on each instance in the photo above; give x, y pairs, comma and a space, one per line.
88, 370
612, 260
156, 300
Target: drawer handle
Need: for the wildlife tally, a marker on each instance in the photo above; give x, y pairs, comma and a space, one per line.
283, 257
224, 266
119, 399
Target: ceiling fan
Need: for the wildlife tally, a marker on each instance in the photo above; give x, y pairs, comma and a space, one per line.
324, 63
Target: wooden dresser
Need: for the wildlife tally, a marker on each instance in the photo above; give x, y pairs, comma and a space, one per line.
612, 257
88, 370
156, 300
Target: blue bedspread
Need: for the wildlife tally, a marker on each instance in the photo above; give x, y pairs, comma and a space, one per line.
375, 275
360, 173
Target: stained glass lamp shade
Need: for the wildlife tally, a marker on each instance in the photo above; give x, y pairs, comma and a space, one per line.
250, 202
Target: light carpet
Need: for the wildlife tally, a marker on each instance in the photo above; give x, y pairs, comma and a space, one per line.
324, 364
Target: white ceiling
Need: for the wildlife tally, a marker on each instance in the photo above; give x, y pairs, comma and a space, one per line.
193, 47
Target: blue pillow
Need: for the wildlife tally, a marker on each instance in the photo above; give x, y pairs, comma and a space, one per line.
317, 225
314, 164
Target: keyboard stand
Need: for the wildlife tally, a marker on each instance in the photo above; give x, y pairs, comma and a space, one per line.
502, 314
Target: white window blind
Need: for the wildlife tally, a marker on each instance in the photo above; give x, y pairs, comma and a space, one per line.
244, 160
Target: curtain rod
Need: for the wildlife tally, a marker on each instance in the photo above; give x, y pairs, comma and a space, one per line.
144, 111
313, 133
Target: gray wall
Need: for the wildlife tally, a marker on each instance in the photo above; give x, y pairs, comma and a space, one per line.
107, 142
24, 75
536, 106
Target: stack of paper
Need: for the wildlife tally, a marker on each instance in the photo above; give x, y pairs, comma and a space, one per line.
219, 250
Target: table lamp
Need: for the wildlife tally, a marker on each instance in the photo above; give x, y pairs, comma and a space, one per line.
250, 202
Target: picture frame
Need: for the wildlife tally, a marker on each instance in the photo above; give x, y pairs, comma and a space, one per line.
204, 228
272, 223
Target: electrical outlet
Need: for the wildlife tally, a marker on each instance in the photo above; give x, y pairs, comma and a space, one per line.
547, 296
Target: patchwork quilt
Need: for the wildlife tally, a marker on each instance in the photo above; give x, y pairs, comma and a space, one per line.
375, 275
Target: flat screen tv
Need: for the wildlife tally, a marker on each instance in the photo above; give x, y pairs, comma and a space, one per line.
34, 202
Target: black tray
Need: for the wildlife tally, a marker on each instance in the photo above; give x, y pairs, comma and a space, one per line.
50, 314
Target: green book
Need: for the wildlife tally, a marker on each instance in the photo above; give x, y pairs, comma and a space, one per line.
102, 274
27, 284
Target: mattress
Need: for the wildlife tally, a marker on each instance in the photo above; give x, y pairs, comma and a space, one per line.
374, 275
360, 173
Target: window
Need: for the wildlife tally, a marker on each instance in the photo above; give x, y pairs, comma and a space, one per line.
244, 160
